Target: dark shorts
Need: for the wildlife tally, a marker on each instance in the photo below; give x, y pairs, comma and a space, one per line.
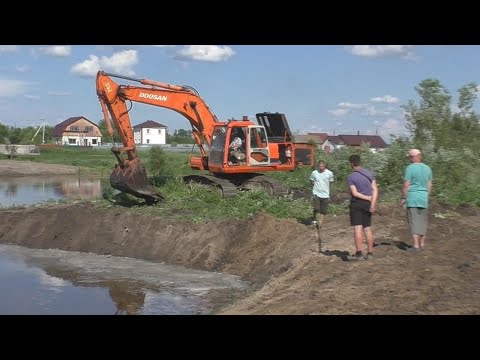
320, 204
360, 213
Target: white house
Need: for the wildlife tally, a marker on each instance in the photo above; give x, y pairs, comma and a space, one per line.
150, 133
375, 142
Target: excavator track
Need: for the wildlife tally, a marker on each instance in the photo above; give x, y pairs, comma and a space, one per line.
227, 188
230, 187
270, 185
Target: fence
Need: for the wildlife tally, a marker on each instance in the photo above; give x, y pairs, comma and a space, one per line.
15, 150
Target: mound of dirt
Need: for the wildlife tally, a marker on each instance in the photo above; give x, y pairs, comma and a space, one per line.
281, 258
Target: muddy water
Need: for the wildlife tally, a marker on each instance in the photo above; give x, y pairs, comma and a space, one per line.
34, 281
28, 190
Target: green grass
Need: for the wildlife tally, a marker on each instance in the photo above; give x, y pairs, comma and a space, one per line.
199, 204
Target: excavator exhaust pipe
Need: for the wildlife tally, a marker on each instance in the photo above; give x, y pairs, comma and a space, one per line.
131, 178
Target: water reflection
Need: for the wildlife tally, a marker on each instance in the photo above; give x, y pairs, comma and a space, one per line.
30, 190
127, 295
49, 281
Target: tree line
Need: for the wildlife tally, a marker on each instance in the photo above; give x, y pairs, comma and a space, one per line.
447, 134
25, 136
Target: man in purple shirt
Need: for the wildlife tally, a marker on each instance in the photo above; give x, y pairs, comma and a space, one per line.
363, 201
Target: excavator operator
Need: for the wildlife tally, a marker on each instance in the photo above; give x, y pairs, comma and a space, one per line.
237, 148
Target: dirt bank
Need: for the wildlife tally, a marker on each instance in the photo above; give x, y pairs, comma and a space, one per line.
280, 257
22, 168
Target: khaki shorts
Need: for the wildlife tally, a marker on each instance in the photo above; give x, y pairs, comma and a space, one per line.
320, 204
417, 219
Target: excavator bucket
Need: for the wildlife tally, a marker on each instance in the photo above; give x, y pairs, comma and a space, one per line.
131, 178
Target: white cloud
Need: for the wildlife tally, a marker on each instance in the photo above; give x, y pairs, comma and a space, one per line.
31, 97
339, 112
374, 51
211, 53
118, 47
57, 50
59, 93
22, 68
347, 105
120, 62
387, 99
392, 127
87, 68
392, 124
12, 87
129, 47
8, 49
52, 283
372, 111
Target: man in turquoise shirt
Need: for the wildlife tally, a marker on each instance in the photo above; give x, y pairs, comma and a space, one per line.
417, 186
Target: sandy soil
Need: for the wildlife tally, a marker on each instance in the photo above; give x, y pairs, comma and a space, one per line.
22, 168
281, 258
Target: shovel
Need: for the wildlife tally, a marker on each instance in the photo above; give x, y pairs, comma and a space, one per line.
131, 178
319, 237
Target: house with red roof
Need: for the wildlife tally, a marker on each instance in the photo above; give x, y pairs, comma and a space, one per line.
77, 131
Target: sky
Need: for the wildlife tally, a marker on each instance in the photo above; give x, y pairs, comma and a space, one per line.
336, 89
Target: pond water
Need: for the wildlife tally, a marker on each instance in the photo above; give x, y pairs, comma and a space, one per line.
56, 282
29, 190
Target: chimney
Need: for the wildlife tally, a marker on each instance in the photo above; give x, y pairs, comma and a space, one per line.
245, 117
358, 133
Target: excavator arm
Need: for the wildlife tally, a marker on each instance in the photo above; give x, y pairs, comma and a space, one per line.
129, 174
181, 99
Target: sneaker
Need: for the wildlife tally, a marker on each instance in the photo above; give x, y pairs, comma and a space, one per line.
413, 249
356, 257
369, 256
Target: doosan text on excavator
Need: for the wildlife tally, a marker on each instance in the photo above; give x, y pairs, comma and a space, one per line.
265, 146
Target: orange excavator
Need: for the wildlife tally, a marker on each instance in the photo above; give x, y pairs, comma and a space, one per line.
231, 165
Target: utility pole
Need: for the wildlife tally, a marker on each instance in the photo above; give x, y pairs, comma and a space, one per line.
42, 125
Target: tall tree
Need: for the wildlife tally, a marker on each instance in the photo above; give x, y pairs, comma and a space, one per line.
102, 125
432, 115
3, 133
181, 136
465, 123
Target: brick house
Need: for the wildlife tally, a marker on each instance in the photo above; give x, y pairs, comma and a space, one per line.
77, 131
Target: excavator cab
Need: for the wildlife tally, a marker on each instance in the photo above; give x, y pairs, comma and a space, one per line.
239, 144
